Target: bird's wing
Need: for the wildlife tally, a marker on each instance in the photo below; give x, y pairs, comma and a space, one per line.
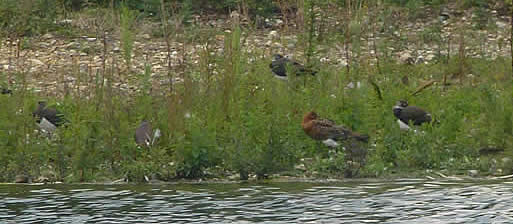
292, 66
327, 122
278, 68
326, 129
415, 114
298, 66
301, 69
54, 116
143, 133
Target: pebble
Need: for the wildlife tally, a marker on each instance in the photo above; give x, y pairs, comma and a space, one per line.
473, 173
56, 52
36, 61
501, 24
273, 34
406, 58
300, 167
47, 36
20, 178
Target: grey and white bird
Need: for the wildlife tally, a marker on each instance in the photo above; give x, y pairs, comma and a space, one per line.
48, 119
406, 114
282, 66
144, 134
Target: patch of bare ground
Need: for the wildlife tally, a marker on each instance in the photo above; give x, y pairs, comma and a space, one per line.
53, 64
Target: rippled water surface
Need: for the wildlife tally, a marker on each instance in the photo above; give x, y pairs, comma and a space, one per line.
369, 201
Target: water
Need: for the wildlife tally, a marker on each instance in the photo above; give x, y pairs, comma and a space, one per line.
361, 201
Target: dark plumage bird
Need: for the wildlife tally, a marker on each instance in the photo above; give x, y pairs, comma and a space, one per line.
48, 119
5, 91
490, 150
327, 131
144, 135
406, 114
281, 66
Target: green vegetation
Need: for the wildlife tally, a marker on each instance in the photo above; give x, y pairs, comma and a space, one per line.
235, 117
127, 36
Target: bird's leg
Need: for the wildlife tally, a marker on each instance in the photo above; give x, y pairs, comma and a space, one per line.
348, 173
318, 144
319, 148
357, 170
348, 158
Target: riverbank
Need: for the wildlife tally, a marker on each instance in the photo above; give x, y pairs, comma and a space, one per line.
416, 176
206, 84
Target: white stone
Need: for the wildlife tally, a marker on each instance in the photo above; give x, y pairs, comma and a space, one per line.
277, 45
500, 24
66, 21
430, 57
342, 62
273, 34
47, 36
36, 61
473, 173
352, 85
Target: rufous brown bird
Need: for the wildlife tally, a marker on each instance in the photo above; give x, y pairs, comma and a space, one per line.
327, 131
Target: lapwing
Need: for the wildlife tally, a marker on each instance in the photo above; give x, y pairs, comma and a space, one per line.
5, 91
282, 66
406, 114
48, 119
144, 134
327, 131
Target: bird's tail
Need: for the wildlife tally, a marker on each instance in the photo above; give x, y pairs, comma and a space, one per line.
308, 71
360, 137
312, 72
